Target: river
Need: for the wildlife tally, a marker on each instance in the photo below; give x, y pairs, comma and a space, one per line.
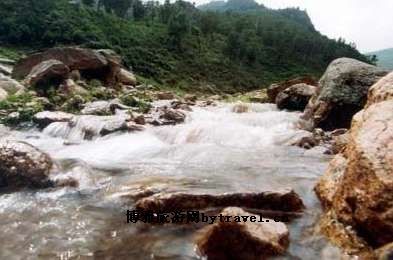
214, 151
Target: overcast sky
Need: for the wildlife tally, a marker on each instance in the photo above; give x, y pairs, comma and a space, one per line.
368, 23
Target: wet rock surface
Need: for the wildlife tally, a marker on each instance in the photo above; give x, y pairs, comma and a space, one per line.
286, 200
242, 240
23, 165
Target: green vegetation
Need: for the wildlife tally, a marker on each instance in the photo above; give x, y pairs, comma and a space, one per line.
385, 58
178, 45
19, 108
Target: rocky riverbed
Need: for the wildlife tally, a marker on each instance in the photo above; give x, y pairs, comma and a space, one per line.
85, 145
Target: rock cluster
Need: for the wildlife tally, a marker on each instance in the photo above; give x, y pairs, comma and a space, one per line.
357, 188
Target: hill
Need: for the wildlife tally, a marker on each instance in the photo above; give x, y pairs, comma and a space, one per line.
385, 58
178, 45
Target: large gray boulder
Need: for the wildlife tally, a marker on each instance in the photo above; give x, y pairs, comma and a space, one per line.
342, 93
23, 165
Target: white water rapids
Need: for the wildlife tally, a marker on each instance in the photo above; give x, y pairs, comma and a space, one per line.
215, 151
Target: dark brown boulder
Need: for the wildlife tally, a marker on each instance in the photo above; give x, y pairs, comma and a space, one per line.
73, 57
295, 97
47, 72
276, 88
251, 240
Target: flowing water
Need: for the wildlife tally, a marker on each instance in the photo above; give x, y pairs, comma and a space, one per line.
215, 151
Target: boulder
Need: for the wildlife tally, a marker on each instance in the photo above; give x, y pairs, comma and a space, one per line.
341, 94
23, 165
295, 97
11, 86
73, 57
382, 90
242, 240
126, 77
275, 89
45, 118
3, 94
357, 188
285, 200
70, 87
47, 71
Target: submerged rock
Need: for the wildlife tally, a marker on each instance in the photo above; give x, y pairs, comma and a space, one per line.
286, 200
23, 165
242, 240
295, 97
342, 93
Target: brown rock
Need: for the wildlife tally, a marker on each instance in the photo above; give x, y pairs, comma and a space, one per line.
190, 98
47, 71
23, 165
70, 87
329, 183
11, 86
242, 240
275, 89
286, 200
357, 189
165, 95
74, 58
172, 115
295, 97
364, 198
381, 91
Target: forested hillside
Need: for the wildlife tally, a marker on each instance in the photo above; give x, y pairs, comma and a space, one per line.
177, 44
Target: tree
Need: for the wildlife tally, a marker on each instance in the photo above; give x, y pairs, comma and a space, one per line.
178, 28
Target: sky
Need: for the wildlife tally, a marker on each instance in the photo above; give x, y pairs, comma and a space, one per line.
367, 23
